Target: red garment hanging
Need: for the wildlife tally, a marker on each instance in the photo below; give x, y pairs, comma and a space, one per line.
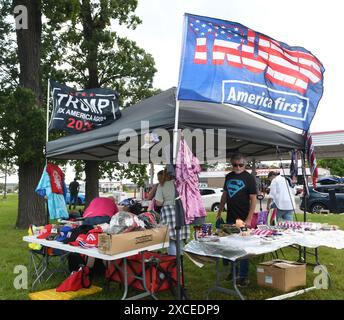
56, 178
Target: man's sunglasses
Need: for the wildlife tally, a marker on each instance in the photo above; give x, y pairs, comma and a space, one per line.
238, 165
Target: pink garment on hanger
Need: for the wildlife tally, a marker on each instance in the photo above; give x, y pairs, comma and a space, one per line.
187, 170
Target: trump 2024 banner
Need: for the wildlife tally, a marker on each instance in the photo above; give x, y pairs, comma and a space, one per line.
79, 111
226, 62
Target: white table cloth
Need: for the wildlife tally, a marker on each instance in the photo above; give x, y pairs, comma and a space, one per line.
236, 246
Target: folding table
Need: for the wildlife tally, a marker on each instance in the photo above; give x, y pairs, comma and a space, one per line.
236, 247
93, 252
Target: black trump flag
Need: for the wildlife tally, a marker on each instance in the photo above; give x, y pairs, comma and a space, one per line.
77, 111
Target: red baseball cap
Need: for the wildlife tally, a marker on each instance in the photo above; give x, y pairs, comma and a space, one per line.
91, 241
97, 229
46, 232
80, 238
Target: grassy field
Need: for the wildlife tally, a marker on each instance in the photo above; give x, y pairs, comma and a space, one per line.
13, 252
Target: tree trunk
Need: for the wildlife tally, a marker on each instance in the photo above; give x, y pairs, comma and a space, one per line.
89, 31
92, 184
29, 46
31, 207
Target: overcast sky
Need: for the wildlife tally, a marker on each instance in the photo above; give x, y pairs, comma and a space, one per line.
313, 24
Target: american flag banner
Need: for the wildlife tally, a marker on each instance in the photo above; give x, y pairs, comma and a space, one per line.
226, 62
310, 154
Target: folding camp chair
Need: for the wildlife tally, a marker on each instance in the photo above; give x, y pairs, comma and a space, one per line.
46, 262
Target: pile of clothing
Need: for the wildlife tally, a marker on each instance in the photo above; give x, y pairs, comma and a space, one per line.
100, 210
124, 221
131, 205
86, 236
151, 219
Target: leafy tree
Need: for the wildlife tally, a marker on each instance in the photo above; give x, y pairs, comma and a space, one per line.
8, 80
75, 33
9, 71
24, 115
98, 57
336, 166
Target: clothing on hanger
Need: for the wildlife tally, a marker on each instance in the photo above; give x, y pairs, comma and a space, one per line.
56, 202
56, 178
187, 170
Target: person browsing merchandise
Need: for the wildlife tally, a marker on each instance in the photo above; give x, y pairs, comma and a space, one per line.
151, 195
166, 198
239, 193
152, 192
281, 196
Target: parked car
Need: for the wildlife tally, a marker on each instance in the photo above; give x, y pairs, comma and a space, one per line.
330, 180
319, 198
211, 198
81, 198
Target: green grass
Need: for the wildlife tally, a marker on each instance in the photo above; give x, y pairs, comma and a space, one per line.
13, 252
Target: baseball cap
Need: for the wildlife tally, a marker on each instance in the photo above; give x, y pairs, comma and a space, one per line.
63, 233
73, 234
80, 238
91, 241
55, 232
45, 232
97, 229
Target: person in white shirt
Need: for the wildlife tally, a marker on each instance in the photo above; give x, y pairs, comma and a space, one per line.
282, 197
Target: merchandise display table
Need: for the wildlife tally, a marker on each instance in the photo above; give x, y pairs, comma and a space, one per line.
236, 247
93, 252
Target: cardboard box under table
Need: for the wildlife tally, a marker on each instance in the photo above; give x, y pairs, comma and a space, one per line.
112, 244
281, 275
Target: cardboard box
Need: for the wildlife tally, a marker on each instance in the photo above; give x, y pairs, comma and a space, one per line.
112, 244
282, 275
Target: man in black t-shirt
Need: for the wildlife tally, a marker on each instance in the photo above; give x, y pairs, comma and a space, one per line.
74, 190
239, 193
